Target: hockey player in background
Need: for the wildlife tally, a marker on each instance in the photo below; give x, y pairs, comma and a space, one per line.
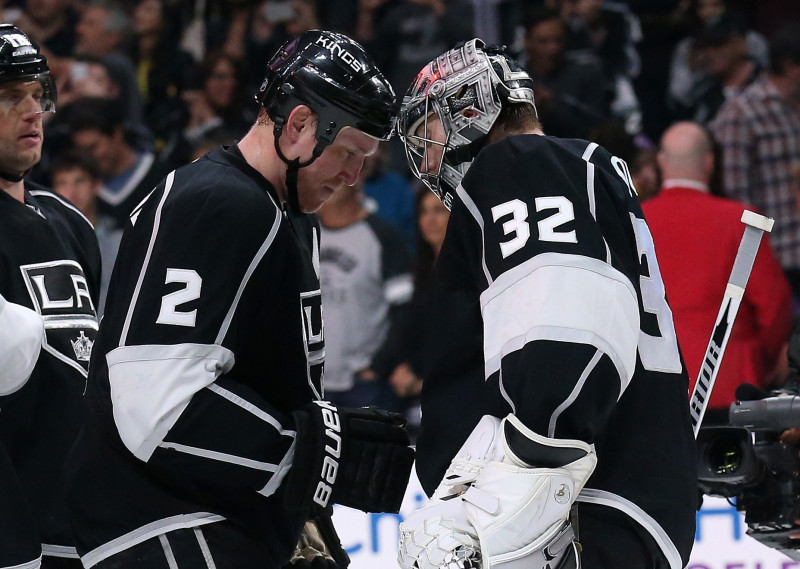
207, 439
49, 285
589, 421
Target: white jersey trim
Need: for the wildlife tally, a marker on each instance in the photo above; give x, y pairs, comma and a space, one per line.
473, 209
253, 264
156, 223
65, 203
221, 457
569, 298
146, 532
34, 564
151, 385
249, 407
611, 500
551, 428
62, 551
280, 472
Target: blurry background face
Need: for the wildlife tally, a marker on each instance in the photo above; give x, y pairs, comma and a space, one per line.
220, 84
708, 9
544, 43
104, 148
44, 10
147, 17
432, 218
78, 187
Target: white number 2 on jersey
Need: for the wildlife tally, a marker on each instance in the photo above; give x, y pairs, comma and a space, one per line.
169, 313
520, 230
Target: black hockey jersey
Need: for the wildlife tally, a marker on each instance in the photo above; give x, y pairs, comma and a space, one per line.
49, 262
578, 337
211, 337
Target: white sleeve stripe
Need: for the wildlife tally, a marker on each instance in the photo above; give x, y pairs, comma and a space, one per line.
34, 564
551, 428
168, 553
253, 264
249, 407
564, 298
151, 386
399, 289
473, 209
662, 539
65, 203
280, 473
587, 155
220, 456
167, 187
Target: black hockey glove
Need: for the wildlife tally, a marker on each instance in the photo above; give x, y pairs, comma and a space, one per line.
359, 458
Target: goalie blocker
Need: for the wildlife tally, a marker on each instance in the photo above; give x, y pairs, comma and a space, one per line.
359, 458
504, 503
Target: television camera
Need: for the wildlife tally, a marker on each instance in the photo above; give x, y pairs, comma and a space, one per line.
746, 461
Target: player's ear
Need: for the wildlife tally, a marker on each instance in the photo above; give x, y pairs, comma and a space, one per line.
301, 120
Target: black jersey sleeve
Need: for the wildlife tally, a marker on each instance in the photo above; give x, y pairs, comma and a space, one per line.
560, 308
205, 266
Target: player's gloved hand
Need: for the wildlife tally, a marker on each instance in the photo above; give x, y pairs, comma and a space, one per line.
359, 458
319, 546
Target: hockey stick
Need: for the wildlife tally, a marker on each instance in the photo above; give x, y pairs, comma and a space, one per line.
756, 225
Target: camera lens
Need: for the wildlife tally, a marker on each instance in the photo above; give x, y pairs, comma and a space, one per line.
724, 456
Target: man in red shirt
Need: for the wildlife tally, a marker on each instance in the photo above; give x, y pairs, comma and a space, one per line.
696, 237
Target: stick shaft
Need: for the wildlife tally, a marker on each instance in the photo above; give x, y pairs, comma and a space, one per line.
756, 225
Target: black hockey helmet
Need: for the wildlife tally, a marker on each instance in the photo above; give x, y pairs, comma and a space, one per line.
335, 77
21, 60
465, 88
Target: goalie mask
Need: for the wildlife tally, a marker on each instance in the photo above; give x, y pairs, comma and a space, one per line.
464, 89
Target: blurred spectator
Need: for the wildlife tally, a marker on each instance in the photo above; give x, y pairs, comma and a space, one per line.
52, 24
646, 174
407, 339
759, 136
389, 194
77, 178
612, 33
365, 278
163, 70
413, 32
722, 66
408, 35
697, 236
102, 34
221, 104
129, 171
689, 74
103, 29
570, 97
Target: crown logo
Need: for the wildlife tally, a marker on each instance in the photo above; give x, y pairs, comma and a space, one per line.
82, 347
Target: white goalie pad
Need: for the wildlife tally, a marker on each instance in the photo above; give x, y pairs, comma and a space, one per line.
494, 511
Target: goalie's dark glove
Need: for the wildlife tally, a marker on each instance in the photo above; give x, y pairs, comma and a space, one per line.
359, 458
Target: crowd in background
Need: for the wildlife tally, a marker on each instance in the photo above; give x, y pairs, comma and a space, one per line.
146, 86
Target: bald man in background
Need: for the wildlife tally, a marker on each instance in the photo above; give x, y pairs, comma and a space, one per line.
696, 237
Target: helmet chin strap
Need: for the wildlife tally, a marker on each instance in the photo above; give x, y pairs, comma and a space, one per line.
292, 170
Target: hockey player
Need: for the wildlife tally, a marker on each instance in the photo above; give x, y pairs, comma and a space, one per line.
50, 273
590, 415
207, 439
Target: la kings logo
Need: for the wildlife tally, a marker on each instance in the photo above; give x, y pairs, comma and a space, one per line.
61, 295
314, 338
